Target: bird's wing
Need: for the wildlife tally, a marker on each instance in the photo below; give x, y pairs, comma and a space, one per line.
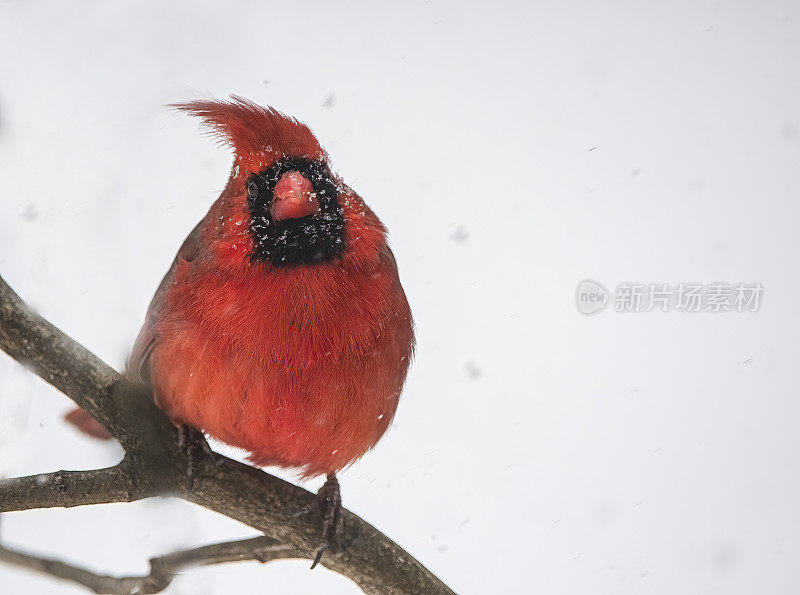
138, 365
389, 255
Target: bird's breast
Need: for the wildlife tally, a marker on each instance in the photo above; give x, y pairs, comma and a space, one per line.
302, 368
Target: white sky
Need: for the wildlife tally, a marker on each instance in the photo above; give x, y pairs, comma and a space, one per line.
513, 150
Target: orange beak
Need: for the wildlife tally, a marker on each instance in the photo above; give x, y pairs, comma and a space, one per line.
294, 197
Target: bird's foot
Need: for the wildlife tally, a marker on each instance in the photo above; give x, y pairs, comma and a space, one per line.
192, 442
329, 500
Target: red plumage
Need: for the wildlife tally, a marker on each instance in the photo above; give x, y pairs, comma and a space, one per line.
300, 365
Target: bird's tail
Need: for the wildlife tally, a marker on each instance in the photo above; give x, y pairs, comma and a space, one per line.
87, 424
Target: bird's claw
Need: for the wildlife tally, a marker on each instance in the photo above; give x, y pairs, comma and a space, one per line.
329, 500
192, 442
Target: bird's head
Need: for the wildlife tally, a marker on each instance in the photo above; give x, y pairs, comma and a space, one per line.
282, 205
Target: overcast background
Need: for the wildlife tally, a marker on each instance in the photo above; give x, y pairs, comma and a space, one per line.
512, 150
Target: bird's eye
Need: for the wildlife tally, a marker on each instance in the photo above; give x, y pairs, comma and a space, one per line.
252, 189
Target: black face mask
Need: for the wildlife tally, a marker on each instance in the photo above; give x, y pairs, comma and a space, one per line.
311, 239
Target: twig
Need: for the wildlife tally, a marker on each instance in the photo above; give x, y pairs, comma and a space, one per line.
153, 466
67, 488
162, 569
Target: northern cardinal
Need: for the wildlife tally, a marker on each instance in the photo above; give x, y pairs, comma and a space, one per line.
281, 327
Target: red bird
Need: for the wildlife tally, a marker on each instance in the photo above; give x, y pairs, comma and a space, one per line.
281, 327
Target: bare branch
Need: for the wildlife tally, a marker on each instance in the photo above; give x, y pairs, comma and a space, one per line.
162, 569
127, 411
68, 488
153, 466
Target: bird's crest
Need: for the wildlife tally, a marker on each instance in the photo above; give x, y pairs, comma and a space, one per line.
254, 133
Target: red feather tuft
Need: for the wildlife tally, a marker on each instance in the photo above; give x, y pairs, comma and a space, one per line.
86, 424
256, 133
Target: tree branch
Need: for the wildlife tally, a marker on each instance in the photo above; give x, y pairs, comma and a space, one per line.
68, 488
162, 569
153, 466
